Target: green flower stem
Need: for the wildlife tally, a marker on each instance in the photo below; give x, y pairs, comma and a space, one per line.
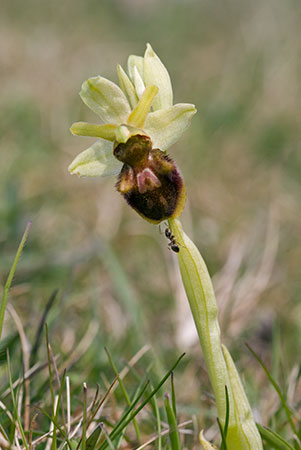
138, 115
199, 290
200, 294
106, 131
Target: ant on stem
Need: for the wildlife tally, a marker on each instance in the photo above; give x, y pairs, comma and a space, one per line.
172, 245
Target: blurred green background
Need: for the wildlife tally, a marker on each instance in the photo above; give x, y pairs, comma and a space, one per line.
239, 62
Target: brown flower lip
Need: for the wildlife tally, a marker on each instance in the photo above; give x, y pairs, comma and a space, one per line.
149, 180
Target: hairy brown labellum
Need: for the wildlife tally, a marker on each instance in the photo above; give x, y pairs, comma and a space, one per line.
149, 180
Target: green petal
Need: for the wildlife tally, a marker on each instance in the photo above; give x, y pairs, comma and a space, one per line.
156, 73
127, 87
135, 61
138, 115
106, 131
166, 126
96, 161
106, 99
138, 83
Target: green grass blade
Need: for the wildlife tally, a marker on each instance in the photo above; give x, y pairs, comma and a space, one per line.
277, 389
11, 276
100, 403
60, 395
225, 429
227, 411
141, 389
153, 392
173, 394
84, 435
224, 443
127, 418
124, 392
61, 430
173, 426
108, 439
15, 404
55, 408
273, 438
49, 365
7, 342
4, 434
37, 340
93, 438
158, 421
123, 423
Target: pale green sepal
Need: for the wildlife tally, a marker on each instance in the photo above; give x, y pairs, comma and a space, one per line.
242, 410
127, 86
96, 161
106, 131
166, 126
139, 114
106, 99
156, 73
135, 61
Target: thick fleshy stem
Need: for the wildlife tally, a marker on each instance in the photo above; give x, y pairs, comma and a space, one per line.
200, 294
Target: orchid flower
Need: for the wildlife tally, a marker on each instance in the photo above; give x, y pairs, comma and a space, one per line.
143, 104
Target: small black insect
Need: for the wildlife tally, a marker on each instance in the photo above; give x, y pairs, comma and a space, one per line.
173, 243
